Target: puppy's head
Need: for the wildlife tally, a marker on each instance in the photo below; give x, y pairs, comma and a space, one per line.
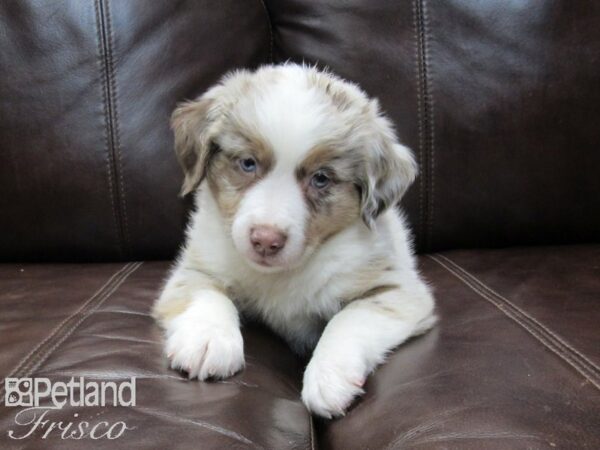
292, 157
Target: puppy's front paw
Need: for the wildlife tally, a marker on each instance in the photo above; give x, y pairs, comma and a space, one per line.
330, 385
204, 349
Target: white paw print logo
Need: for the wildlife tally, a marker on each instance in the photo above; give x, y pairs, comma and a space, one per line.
18, 392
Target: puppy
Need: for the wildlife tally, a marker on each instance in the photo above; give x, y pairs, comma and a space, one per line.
296, 174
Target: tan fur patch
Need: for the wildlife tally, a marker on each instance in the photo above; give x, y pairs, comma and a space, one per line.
190, 123
228, 182
374, 292
368, 283
168, 308
316, 158
386, 308
163, 312
332, 87
337, 206
337, 212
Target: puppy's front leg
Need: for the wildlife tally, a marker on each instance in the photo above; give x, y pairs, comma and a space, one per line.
202, 326
356, 340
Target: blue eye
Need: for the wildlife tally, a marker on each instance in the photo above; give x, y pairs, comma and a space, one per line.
320, 180
248, 165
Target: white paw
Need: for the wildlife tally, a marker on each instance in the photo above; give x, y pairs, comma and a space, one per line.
204, 349
330, 385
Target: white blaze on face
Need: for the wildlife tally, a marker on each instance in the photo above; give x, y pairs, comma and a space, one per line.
276, 201
291, 120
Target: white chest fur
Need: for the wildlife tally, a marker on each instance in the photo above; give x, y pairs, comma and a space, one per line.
297, 302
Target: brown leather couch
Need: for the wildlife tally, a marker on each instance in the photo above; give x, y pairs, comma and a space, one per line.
500, 102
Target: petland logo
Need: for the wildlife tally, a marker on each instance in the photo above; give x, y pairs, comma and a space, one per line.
34, 394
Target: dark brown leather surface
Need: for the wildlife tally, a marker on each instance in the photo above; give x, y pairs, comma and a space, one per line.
87, 170
36, 299
488, 376
554, 291
481, 378
114, 338
371, 43
499, 102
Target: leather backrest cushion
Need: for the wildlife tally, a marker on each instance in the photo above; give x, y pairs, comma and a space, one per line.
499, 100
87, 169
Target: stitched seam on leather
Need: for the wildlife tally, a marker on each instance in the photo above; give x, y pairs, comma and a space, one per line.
416, 14
116, 128
514, 313
270, 23
109, 167
82, 316
582, 369
591, 366
115, 176
27, 361
35, 360
510, 313
425, 120
27, 357
430, 122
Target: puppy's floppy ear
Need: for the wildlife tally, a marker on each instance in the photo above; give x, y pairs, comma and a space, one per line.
390, 170
191, 123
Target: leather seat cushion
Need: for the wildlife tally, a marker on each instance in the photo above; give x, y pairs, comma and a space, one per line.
511, 364
97, 325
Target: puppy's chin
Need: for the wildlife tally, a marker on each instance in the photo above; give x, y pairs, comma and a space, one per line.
276, 264
266, 266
